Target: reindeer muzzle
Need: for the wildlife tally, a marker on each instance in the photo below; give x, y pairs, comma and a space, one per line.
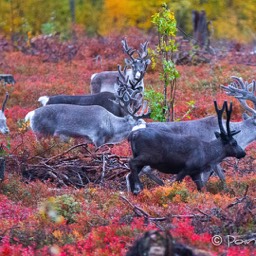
241, 155
137, 75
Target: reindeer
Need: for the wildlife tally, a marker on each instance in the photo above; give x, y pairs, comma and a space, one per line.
180, 154
113, 102
204, 128
3, 126
106, 81
93, 123
7, 79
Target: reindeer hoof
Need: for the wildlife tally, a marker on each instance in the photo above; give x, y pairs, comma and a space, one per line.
132, 186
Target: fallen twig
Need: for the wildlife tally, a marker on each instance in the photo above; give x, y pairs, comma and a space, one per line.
239, 200
67, 151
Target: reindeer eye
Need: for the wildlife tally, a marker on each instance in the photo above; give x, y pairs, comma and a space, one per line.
234, 143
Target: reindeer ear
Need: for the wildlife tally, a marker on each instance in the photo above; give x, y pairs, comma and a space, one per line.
148, 61
217, 134
224, 137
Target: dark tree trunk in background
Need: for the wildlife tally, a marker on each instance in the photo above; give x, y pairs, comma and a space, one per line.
73, 17
72, 10
12, 20
201, 32
2, 168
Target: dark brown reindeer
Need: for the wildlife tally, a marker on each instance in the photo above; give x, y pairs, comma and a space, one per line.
3, 126
113, 102
106, 81
179, 154
204, 128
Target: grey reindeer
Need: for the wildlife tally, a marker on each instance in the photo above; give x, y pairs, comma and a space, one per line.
181, 155
106, 81
204, 127
108, 100
93, 123
3, 126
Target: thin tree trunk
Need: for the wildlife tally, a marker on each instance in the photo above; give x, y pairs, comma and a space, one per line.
2, 168
73, 17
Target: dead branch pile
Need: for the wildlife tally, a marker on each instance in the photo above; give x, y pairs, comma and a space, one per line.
77, 168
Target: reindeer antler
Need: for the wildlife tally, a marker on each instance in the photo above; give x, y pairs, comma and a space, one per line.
219, 112
144, 52
124, 92
228, 113
122, 79
130, 99
128, 50
242, 91
219, 115
246, 92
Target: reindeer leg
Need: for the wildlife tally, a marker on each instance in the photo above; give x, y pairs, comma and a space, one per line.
132, 179
204, 176
220, 172
180, 176
198, 181
148, 171
214, 169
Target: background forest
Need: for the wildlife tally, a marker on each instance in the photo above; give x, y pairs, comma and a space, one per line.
67, 199
230, 19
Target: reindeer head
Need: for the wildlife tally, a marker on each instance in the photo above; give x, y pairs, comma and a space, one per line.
7, 79
139, 65
130, 99
230, 144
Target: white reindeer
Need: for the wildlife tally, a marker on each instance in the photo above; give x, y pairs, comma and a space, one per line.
106, 80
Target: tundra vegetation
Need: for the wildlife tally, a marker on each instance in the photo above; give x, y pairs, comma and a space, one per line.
60, 198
